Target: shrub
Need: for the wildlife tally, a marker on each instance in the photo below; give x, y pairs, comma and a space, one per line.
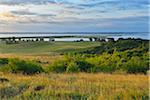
24, 67
84, 66
8, 92
5, 68
137, 65
22, 87
58, 67
107, 68
4, 61
104, 63
72, 67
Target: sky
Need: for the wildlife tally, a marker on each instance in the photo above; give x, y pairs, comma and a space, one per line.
74, 15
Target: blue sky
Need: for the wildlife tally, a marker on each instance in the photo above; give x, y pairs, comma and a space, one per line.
74, 15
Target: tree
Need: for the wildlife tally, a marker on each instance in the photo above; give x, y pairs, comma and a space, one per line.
90, 39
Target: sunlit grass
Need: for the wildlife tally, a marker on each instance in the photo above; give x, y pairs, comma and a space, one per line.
44, 59
81, 86
66, 86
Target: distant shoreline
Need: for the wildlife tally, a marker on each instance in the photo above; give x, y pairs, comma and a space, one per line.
73, 34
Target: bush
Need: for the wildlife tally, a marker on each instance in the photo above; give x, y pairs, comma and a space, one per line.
24, 67
104, 63
84, 66
8, 92
72, 67
4, 61
58, 67
137, 65
107, 68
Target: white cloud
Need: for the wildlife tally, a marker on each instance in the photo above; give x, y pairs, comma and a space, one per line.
74, 13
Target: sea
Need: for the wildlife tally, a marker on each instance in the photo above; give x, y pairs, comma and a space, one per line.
80, 35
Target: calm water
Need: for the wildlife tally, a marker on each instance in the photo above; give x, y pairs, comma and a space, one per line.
106, 35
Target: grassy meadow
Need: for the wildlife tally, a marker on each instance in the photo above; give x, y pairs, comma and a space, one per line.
74, 70
81, 86
45, 48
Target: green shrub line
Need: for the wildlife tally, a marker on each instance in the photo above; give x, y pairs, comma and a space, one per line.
74, 63
106, 63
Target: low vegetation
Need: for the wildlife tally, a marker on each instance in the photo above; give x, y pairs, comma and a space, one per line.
136, 46
126, 59
79, 86
106, 63
19, 66
45, 48
116, 70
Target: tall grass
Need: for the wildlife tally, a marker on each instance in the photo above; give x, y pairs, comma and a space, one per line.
79, 86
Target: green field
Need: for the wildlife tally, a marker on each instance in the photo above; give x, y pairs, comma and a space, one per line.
46, 47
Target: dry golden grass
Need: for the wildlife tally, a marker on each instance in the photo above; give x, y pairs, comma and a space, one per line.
79, 86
